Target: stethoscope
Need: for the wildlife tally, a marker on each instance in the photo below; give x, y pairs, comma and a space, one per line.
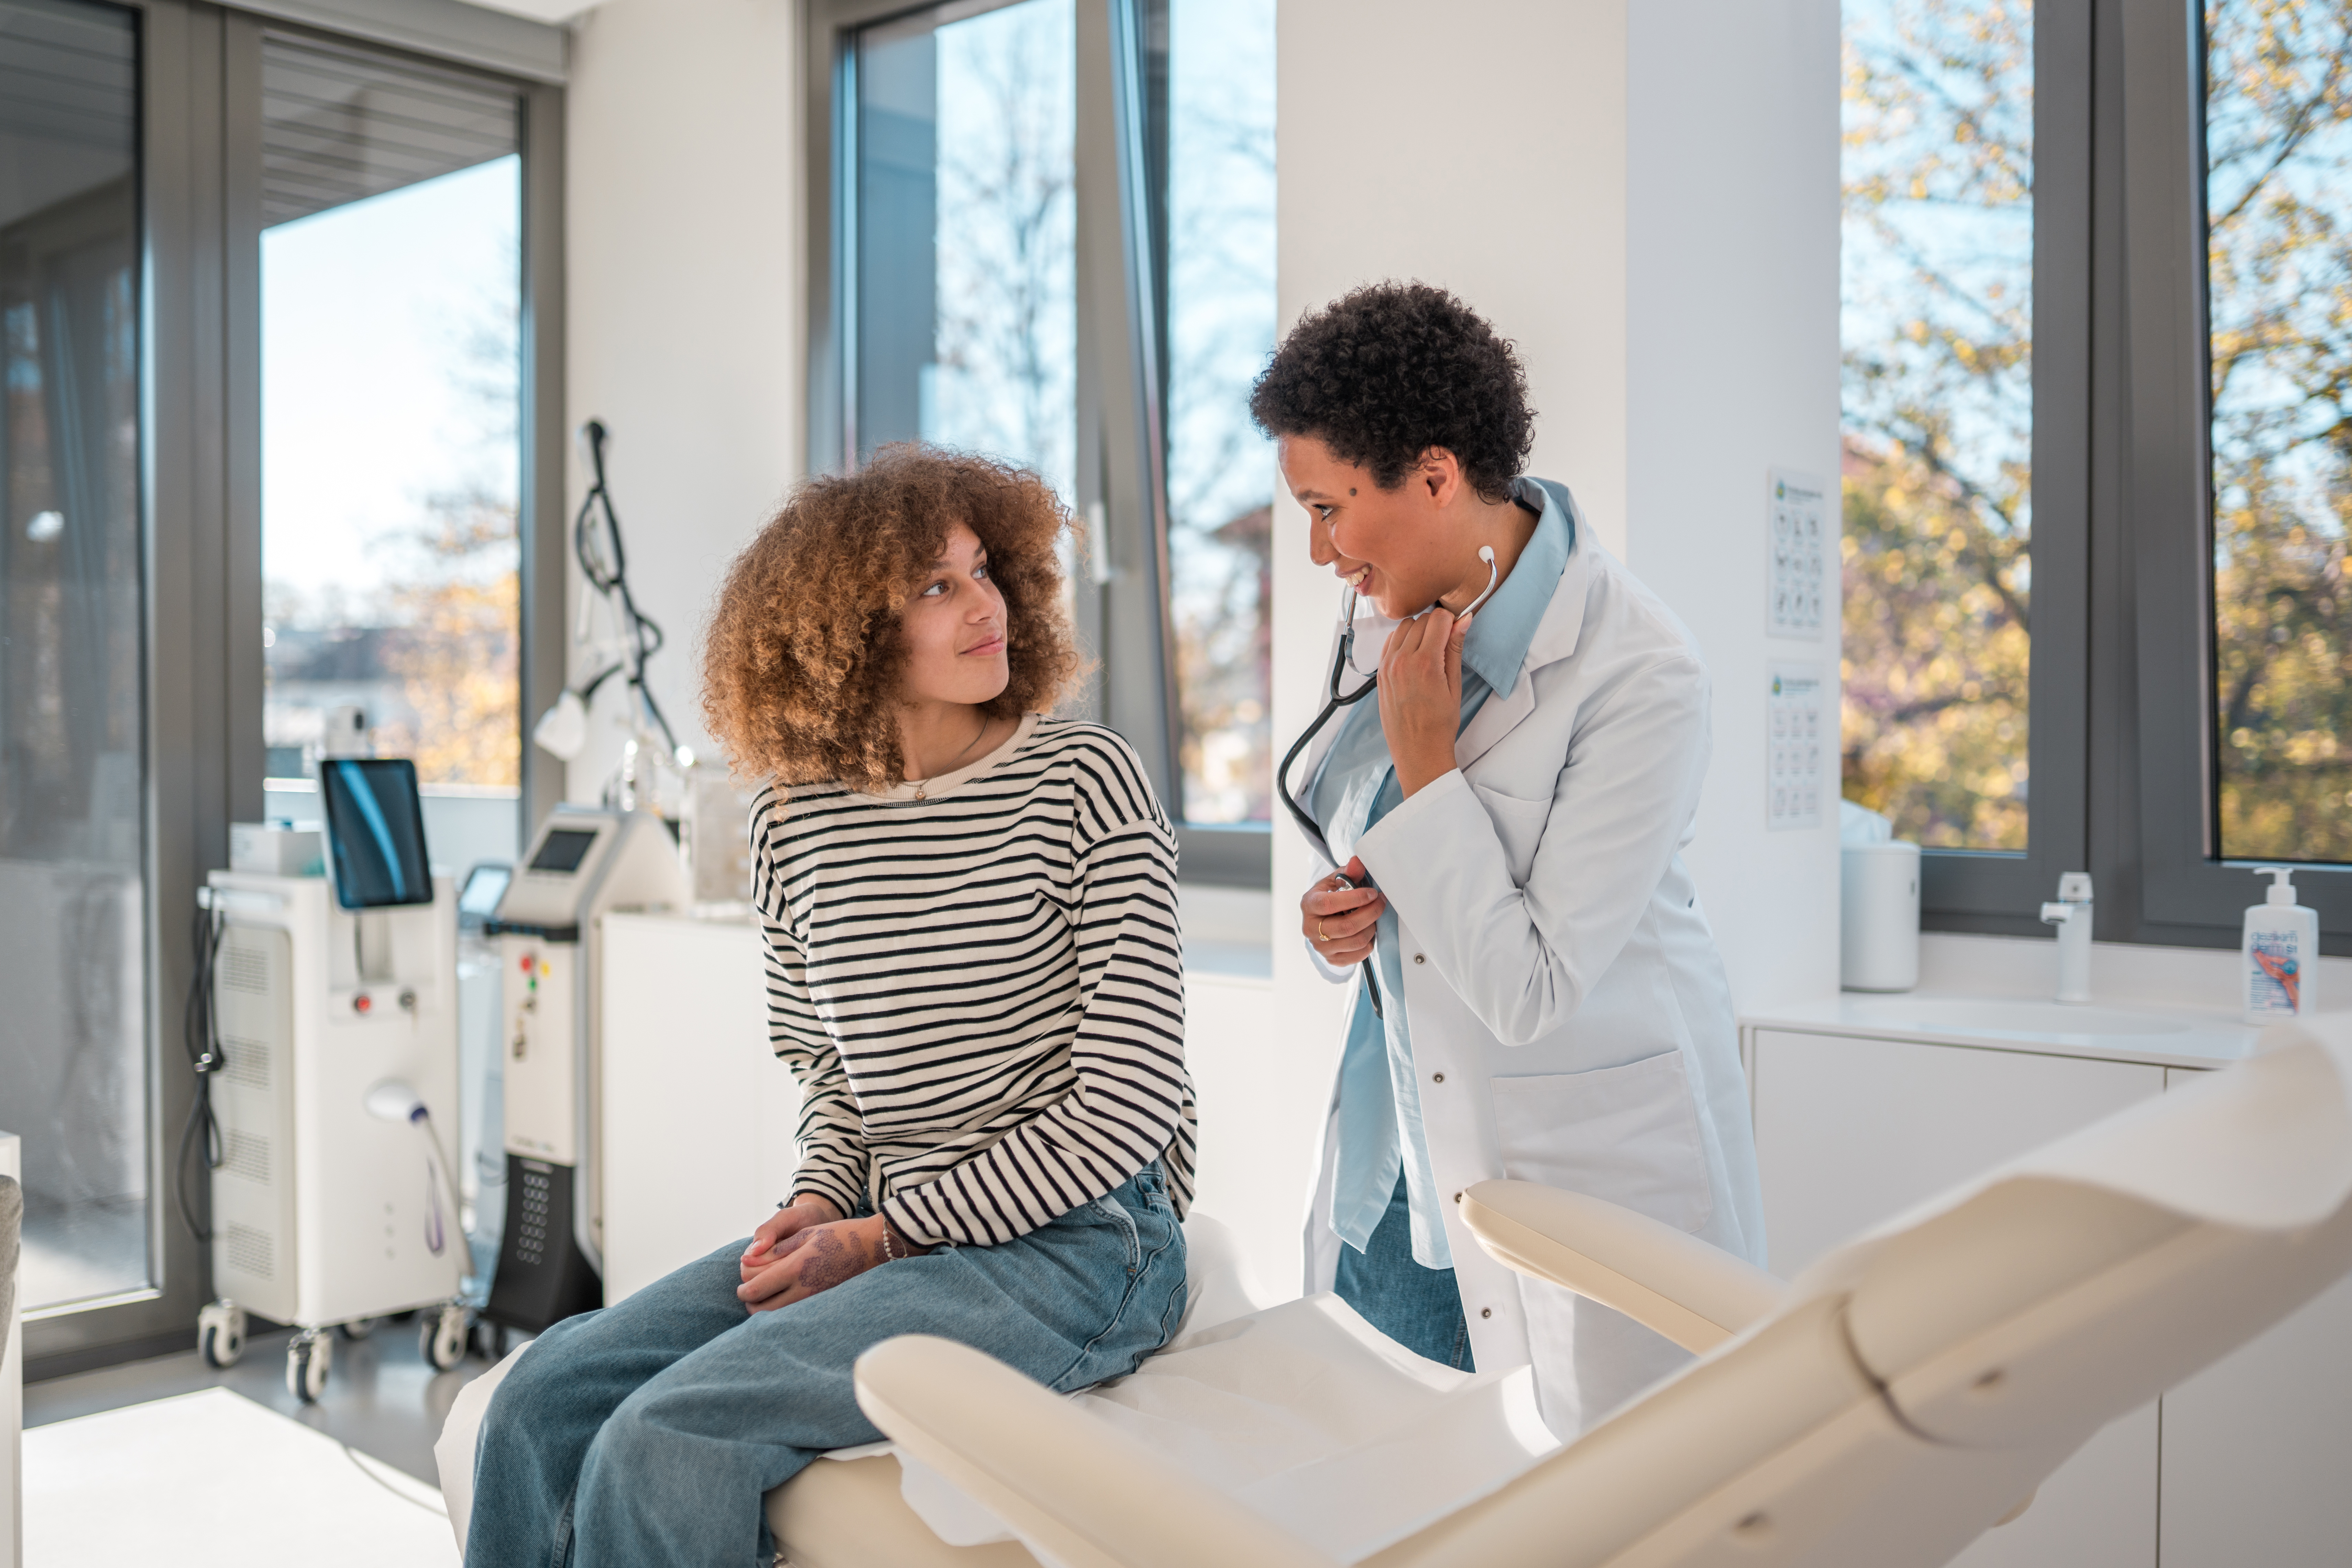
1343, 662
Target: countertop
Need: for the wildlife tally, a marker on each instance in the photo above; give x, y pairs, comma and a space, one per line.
2160, 1036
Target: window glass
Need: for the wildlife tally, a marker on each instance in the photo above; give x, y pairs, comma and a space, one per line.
391, 549
1936, 324
2278, 193
73, 969
1220, 331
965, 302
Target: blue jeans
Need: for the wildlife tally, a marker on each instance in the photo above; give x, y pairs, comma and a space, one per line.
646, 1432
1421, 1309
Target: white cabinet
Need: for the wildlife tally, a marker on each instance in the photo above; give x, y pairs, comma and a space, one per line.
698, 1116
1852, 1131
2244, 1463
2256, 1446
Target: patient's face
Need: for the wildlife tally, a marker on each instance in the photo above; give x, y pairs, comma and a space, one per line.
955, 629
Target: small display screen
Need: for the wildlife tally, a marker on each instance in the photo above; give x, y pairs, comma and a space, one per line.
485, 884
375, 832
563, 848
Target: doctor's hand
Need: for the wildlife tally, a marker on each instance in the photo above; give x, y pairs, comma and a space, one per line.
1339, 920
1421, 696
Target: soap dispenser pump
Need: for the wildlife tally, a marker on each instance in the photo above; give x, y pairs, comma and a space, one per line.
2277, 958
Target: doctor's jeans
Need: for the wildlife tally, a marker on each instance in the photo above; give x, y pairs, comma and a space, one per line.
646, 1432
1418, 1308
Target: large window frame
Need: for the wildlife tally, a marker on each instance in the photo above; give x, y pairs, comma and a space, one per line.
2155, 776
2124, 751
1121, 597
200, 214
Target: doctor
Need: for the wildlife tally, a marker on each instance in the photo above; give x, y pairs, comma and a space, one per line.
1537, 994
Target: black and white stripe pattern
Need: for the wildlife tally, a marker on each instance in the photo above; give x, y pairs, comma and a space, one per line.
982, 993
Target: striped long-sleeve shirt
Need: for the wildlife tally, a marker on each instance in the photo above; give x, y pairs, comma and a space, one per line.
980, 985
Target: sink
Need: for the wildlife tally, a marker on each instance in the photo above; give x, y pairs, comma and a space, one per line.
1963, 1016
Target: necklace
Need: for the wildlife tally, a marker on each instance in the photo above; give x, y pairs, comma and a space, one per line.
923, 785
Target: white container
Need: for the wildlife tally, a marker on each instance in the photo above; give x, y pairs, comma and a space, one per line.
2276, 957
1878, 923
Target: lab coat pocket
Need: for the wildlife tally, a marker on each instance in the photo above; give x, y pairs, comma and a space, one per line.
1628, 1134
1518, 823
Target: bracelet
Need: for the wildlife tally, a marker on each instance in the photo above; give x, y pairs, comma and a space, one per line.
887, 1256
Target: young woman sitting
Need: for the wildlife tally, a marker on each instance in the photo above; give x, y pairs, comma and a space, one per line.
973, 969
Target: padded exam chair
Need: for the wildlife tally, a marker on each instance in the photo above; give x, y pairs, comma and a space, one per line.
1901, 1397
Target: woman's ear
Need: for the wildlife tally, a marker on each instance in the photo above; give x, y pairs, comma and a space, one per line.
1439, 473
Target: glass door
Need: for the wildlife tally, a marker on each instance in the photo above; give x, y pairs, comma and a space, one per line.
73, 885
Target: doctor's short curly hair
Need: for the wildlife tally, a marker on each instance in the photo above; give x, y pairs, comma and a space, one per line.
800, 659
1387, 372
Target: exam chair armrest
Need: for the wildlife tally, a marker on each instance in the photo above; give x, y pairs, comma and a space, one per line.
1086, 1493
1694, 1294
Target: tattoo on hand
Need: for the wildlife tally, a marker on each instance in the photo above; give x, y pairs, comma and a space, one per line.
828, 1260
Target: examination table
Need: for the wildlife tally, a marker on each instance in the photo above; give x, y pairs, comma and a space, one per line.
1900, 1397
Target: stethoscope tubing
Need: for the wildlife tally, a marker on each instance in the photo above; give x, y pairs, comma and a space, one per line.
1343, 661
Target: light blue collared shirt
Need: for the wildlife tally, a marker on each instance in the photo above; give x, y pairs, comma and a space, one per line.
1380, 1098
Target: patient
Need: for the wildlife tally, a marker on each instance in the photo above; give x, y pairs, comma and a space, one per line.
972, 968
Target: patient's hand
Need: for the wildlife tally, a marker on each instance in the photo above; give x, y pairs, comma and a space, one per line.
780, 1226
813, 1258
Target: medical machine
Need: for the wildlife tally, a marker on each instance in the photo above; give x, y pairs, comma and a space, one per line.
582, 864
326, 1052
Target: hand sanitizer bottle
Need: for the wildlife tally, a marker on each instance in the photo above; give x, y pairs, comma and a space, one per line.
2280, 953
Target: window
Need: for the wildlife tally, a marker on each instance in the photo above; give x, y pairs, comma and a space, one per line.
198, 210
73, 697
1046, 231
1219, 316
1965, 278
1937, 323
2278, 199
391, 541
966, 235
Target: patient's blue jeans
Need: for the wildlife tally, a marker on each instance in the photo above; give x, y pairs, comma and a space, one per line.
644, 1433
1421, 1309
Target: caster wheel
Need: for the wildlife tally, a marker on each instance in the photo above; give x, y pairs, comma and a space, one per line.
309, 1357
359, 1328
489, 1341
220, 1333
441, 1338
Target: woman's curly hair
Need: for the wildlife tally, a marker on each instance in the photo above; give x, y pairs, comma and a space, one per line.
801, 658
1393, 369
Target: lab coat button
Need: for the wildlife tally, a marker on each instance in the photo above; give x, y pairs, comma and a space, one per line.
1437, 1077
1418, 958
1458, 1197
1485, 1311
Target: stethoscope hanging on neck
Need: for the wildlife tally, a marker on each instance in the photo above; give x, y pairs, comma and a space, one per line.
1343, 661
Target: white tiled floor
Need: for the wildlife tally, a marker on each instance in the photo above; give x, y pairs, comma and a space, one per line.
212, 1479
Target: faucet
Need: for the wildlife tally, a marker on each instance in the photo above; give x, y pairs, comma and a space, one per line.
2071, 915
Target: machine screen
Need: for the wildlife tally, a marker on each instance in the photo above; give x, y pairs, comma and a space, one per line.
375, 832
485, 885
563, 848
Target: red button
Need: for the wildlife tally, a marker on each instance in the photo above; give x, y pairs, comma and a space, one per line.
359, 1004
526, 964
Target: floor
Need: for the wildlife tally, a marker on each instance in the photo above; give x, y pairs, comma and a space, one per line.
382, 1396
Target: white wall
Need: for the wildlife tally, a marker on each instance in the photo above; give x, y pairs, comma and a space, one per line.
1644, 200
683, 193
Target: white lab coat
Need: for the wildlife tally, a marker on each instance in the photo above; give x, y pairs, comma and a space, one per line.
1570, 1019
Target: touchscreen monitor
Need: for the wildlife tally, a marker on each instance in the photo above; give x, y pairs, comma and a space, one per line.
563, 848
375, 832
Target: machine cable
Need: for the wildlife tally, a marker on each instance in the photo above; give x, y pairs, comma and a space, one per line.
200, 1034
596, 541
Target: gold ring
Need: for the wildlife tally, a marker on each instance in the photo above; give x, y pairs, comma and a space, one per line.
1318, 932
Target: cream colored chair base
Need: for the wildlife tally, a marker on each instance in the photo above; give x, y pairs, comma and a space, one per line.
847, 1513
